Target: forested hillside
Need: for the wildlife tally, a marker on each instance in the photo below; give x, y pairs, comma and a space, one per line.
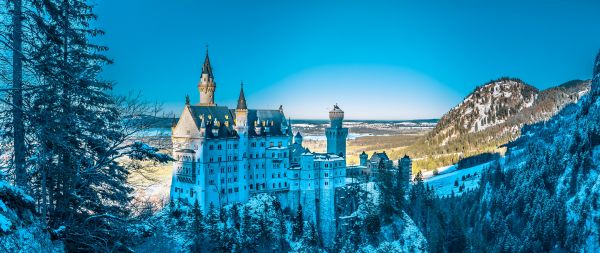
489, 117
544, 197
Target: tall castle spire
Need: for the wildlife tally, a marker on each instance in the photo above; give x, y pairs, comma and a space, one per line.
241, 105
207, 84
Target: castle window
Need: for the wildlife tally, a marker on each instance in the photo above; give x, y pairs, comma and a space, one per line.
278, 175
326, 183
285, 184
273, 185
212, 159
235, 179
222, 180
251, 188
219, 147
271, 144
211, 182
272, 155
280, 185
220, 158
272, 175
279, 144
244, 156
222, 190
235, 146
236, 189
211, 147
253, 144
262, 144
230, 190
326, 174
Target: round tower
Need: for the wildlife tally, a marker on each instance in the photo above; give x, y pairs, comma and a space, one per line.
207, 85
336, 134
336, 116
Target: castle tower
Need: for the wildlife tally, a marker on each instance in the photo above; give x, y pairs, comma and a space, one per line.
405, 169
241, 127
363, 157
207, 84
298, 138
336, 134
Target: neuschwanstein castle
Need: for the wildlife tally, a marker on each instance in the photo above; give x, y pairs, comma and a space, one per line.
226, 155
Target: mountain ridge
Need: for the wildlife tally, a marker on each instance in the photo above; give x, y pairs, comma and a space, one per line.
490, 116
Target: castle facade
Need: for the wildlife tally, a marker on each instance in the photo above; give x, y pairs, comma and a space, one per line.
224, 156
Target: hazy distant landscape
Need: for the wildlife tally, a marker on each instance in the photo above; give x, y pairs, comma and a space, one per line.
364, 135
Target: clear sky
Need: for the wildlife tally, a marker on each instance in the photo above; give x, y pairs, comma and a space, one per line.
376, 59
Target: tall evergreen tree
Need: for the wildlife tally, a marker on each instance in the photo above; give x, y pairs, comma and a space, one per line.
81, 132
18, 126
213, 230
298, 225
197, 230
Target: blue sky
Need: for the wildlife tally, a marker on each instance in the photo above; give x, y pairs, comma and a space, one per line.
376, 59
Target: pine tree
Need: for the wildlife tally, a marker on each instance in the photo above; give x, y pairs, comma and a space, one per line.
81, 131
298, 225
213, 230
197, 230
310, 238
18, 109
249, 231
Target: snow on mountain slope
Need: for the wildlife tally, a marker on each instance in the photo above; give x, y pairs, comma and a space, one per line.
506, 102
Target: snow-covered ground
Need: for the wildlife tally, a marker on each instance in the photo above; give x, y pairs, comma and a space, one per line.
444, 183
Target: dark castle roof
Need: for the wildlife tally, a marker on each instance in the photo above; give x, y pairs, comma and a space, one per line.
215, 117
206, 68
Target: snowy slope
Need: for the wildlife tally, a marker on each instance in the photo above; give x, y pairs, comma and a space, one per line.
20, 229
502, 106
443, 183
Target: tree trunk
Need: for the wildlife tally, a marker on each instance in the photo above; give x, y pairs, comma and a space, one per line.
17, 96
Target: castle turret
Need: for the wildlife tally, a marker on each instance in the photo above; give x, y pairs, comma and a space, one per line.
298, 138
405, 169
336, 134
363, 157
241, 127
207, 84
